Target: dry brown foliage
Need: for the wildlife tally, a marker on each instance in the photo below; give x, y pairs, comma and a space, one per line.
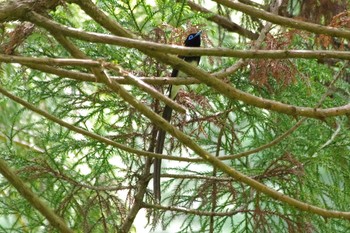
341, 20
265, 72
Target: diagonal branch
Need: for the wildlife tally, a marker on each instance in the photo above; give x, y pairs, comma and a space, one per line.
80, 130
30, 61
284, 21
80, 76
219, 85
226, 90
147, 88
32, 198
153, 48
186, 140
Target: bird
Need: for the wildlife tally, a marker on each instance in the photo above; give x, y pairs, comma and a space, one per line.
192, 40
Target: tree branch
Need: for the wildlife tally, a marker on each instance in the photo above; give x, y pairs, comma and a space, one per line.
147, 88
222, 87
49, 61
55, 220
119, 79
203, 76
222, 21
82, 131
288, 22
181, 50
228, 91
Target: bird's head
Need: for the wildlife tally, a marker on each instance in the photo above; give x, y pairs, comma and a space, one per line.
193, 40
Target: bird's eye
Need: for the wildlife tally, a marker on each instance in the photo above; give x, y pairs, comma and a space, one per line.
190, 37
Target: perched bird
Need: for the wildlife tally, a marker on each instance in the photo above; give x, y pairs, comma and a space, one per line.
193, 40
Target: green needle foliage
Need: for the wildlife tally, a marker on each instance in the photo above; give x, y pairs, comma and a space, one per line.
97, 187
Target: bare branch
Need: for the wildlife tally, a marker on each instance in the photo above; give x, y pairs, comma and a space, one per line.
119, 79
181, 50
49, 61
77, 129
32, 198
222, 87
146, 87
284, 21
186, 140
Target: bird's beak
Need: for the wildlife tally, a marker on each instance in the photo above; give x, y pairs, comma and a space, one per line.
198, 34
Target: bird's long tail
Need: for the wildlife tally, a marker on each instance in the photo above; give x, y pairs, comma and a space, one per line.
159, 150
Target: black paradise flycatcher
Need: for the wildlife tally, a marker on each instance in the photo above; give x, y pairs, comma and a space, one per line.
193, 40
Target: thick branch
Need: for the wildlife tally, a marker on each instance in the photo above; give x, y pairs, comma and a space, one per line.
180, 50
222, 87
177, 63
232, 93
14, 9
186, 140
147, 88
80, 130
121, 80
32, 198
33, 62
311, 27
138, 201
49, 61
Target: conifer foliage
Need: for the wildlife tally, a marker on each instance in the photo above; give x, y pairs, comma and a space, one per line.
259, 140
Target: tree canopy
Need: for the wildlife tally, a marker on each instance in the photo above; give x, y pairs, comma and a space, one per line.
259, 140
